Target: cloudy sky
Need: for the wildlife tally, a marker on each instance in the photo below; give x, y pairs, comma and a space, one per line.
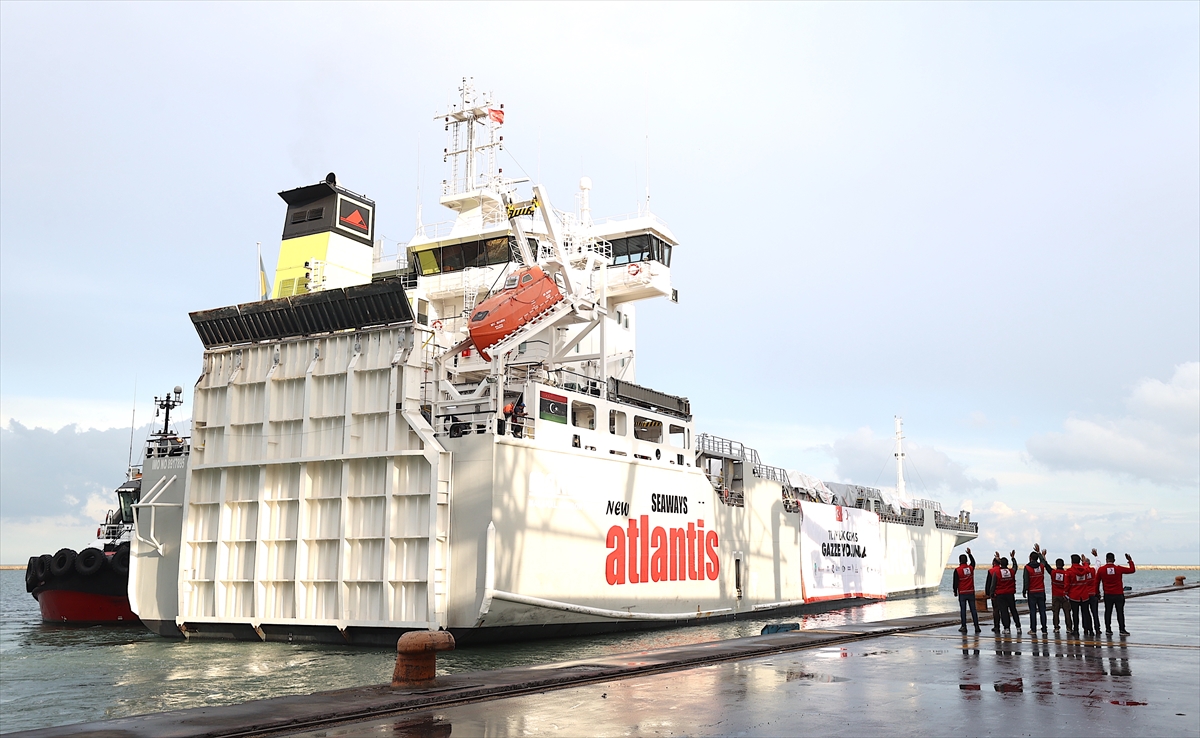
982, 217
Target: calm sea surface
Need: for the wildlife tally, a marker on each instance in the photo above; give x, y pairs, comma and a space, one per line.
53, 675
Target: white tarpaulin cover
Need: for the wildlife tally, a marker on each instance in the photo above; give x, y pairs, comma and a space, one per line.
800, 480
841, 552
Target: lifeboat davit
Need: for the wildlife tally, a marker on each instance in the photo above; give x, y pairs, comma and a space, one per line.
528, 293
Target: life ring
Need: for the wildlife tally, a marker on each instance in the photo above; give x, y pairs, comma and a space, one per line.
436, 325
63, 562
89, 561
635, 269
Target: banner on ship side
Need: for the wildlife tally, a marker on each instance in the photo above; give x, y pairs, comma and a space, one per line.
841, 552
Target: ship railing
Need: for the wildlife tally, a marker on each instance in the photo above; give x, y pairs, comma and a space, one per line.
928, 505
576, 382
460, 424
109, 531
946, 522
436, 230
522, 427
634, 216
161, 447
524, 373
724, 447
386, 263
578, 248
913, 517
773, 473
464, 423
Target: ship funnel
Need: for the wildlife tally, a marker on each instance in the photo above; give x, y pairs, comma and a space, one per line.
328, 239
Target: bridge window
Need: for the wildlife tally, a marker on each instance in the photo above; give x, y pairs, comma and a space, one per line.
455, 257
678, 436
642, 247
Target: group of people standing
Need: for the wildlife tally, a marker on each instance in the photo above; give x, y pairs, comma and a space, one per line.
1075, 591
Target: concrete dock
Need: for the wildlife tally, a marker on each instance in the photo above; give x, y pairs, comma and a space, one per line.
913, 676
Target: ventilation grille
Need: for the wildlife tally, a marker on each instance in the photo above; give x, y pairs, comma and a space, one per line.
378, 303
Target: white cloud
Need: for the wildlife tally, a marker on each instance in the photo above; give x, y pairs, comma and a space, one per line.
1158, 440
20, 539
863, 458
55, 413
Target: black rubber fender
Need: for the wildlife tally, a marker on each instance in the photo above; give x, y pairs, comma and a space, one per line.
89, 561
63, 562
42, 568
31, 577
120, 560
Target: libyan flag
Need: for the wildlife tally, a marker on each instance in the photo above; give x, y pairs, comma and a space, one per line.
553, 408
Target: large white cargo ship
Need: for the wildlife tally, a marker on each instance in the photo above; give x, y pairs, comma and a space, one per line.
454, 438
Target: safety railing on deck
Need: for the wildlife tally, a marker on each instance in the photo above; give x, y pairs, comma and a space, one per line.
724, 447
160, 447
773, 473
906, 517
961, 523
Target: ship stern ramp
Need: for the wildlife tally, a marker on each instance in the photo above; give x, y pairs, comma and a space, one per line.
317, 499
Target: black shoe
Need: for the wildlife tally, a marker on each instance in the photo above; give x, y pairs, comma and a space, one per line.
962, 629
1108, 633
978, 629
1124, 632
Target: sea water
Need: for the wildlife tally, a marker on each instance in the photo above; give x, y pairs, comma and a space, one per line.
55, 675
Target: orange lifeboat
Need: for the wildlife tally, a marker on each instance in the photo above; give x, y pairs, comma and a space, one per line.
527, 293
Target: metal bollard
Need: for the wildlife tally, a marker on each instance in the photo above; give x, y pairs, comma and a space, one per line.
981, 602
416, 656
1179, 581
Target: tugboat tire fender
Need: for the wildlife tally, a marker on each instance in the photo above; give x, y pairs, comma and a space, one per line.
120, 560
63, 562
42, 568
89, 561
31, 577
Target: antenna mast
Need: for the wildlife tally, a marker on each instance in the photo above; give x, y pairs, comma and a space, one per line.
464, 140
899, 456
132, 426
166, 403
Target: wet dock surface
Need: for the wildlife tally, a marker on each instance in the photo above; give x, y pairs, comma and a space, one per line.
914, 676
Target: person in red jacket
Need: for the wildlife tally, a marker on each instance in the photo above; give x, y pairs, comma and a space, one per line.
1004, 592
964, 587
1078, 587
1033, 587
1114, 591
1093, 592
1058, 592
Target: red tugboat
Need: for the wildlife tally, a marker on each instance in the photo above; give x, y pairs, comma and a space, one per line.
91, 586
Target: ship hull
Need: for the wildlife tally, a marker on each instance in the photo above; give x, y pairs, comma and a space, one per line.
597, 517
91, 601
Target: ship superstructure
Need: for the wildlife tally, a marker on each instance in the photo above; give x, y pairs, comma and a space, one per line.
460, 442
